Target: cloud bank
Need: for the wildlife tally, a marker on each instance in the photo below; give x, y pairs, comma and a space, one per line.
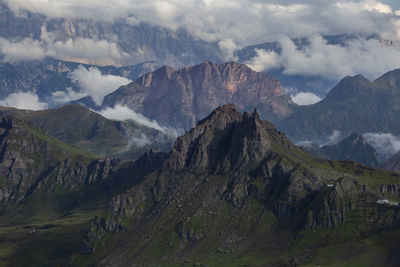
244, 21
22, 100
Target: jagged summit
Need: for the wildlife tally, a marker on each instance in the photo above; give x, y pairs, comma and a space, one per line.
226, 139
197, 90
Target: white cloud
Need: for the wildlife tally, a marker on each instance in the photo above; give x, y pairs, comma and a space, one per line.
228, 47
368, 57
334, 138
22, 100
384, 143
305, 98
68, 95
122, 113
95, 84
265, 60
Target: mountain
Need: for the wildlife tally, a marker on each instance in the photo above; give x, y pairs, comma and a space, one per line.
235, 192
178, 98
392, 164
47, 76
354, 105
83, 128
354, 147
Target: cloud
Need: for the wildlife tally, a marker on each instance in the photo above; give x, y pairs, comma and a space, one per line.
138, 141
244, 21
22, 100
26, 49
357, 56
68, 95
93, 83
334, 138
228, 47
122, 113
305, 98
384, 143
78, 49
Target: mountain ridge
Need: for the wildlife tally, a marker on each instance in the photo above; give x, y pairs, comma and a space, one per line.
197, 90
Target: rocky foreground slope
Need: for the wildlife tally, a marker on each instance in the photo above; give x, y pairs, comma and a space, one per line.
235, 192
179, 98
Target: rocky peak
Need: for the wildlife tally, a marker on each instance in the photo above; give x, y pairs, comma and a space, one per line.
350, 86
225, 140
197, 90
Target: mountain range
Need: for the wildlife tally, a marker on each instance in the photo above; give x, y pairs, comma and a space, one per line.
354, 105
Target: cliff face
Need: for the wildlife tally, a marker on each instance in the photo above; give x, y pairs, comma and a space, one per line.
231, 186
31, 161
195, 91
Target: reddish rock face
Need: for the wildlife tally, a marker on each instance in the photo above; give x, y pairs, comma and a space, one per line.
180, 98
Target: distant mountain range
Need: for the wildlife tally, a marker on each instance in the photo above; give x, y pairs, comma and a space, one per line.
354, 105
178, 98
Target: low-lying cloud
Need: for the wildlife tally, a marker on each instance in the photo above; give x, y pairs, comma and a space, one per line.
95, 84
122, 113
305, 98
23, 100
335, 137
358, 56
384, 143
